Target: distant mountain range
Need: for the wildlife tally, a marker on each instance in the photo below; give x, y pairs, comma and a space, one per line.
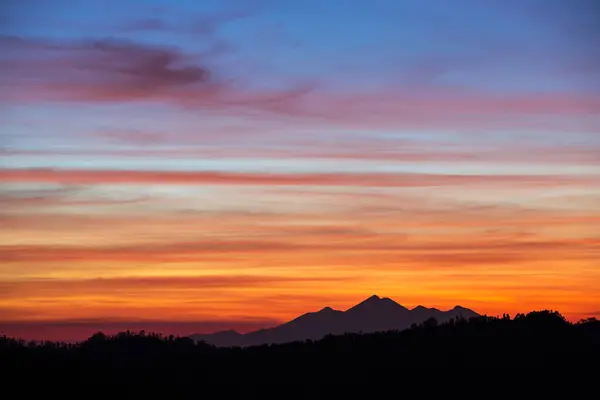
372, 315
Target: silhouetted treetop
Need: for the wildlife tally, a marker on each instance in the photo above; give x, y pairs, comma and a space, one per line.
536, 339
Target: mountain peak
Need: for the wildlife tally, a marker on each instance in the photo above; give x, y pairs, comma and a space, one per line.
326, 310
367, 302
465, 312
375, 302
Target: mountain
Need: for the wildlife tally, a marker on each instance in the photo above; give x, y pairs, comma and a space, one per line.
227, 338
374, 314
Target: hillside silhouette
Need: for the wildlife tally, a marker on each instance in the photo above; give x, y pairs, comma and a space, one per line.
541, 339
374, 314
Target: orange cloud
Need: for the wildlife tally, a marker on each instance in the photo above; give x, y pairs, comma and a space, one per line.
452, 253
120, 285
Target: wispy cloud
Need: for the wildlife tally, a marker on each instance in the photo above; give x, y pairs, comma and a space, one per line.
156, 145
93, 177
58, 287
453, 253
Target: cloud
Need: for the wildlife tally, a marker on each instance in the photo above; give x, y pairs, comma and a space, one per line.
367, 150
108, 286
101, 70
457, 252
131, 136
111, 70
65, 196
173, 251
97, 177
475, 108
37, 195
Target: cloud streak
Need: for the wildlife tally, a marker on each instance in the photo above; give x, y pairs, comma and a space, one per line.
96, 177
58, 287
453, 253
391, 150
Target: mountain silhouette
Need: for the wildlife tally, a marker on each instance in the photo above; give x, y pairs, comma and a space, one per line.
374, 314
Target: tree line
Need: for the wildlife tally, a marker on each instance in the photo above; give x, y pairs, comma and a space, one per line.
541, 339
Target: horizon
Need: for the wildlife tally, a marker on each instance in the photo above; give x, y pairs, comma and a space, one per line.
84, 329
236, 164
77, 331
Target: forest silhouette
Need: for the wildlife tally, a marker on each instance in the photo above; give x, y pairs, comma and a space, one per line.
540, 339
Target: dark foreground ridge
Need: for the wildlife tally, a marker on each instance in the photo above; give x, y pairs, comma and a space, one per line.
374, 314
538, 339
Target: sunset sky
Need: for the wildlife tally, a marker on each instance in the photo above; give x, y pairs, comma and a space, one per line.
192, 166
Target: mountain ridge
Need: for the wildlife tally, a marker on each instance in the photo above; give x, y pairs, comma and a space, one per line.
373, 314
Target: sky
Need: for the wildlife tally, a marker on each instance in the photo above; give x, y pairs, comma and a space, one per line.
192, 166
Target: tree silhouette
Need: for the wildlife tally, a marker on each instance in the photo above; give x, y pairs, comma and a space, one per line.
537, 339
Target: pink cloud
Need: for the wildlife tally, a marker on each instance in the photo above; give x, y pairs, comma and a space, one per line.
99, 70
113, 71
372, 150
92, 177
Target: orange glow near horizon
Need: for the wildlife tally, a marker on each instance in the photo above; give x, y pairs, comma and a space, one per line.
109, 265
